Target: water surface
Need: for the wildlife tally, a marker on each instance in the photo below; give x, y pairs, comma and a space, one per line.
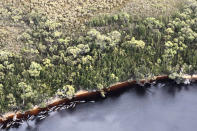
162, 107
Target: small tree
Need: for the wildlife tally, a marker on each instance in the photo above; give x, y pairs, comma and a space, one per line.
67, 91
27, 91
34, 69
11, 101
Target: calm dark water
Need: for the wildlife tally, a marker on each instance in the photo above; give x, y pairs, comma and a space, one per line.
160, 108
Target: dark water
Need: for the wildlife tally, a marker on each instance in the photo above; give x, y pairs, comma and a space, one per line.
159, 108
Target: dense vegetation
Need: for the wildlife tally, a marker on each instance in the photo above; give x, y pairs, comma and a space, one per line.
111, 48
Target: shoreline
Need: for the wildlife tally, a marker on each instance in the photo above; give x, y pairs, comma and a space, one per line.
85, 95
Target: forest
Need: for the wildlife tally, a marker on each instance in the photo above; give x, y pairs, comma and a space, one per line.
50, 58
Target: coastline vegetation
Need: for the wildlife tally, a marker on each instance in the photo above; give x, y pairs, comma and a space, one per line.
111, 47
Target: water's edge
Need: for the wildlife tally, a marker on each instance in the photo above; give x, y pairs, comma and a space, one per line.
88, 96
